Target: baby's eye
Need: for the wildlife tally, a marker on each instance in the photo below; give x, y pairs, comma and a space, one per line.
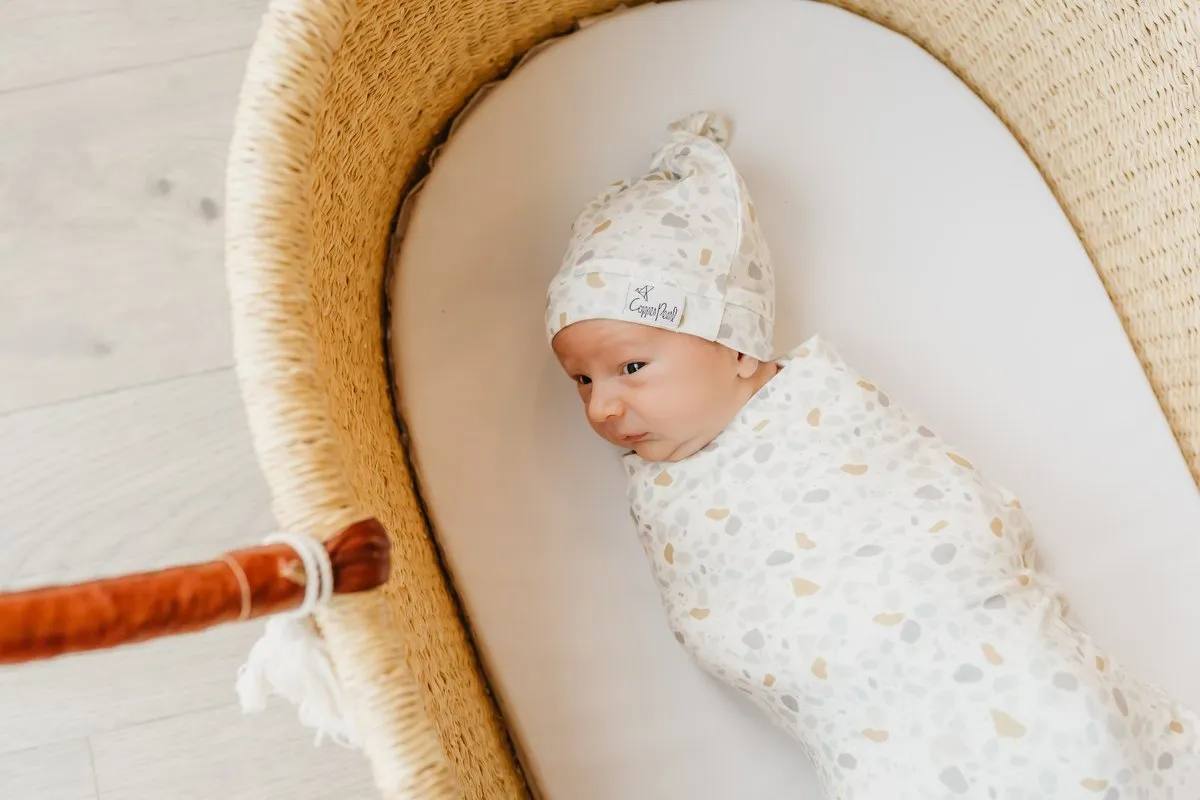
633, 367
583, 380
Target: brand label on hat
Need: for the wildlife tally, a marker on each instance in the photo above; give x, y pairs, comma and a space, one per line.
654, 304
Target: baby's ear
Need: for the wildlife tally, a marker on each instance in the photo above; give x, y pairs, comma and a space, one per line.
747, 365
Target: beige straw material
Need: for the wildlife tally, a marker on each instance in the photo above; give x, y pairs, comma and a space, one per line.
341, 101
286, 388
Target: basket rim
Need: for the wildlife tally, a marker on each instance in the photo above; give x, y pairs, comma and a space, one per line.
268, 248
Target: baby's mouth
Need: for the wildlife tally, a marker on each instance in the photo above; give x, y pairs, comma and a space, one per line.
632, 438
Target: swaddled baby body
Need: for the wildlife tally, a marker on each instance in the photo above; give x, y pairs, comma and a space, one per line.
818, 548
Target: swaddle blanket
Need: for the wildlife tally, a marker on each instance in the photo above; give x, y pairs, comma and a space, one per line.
867, 587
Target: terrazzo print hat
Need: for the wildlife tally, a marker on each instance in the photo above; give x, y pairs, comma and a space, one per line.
678, 248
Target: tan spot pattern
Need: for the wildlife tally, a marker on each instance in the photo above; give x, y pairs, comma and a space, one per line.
705, 257
804, 588
939, 526
562, 320
868, 386
854, 469
962, 462
1176, 726
876, 736
595, 281
603, 226
888, 620
993, 657
1101, 664
997, 527
768, 680
820, 669
803, 542
762, 426
1094, 784
717, 513
753, 212
814, 417
1006, 726
700, 613
1119, 698
664, 479
669, 553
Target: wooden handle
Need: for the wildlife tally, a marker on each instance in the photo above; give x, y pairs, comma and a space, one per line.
47, 622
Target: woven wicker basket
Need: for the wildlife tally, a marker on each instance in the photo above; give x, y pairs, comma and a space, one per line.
342, 100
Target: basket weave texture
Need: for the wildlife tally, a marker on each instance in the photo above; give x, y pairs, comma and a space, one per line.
343, 99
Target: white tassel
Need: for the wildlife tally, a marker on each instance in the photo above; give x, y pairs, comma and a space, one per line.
291, 660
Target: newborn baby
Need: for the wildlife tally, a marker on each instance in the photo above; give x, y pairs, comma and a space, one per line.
817, 547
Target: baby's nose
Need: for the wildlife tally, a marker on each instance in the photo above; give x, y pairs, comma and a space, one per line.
604, 406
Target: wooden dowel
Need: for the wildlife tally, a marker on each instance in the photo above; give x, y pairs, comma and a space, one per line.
48, 622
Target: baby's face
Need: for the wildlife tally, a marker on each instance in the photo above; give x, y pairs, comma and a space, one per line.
662, 394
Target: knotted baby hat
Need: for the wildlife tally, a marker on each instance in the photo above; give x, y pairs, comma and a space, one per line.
678, 248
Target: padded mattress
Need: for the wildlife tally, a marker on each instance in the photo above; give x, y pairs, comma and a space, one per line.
908, 227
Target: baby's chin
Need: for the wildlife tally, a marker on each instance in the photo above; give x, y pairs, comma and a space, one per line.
660, 450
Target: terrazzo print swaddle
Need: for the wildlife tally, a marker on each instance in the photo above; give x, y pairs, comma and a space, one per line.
837, 562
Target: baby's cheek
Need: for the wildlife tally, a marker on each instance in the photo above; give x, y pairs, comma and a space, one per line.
659, 418
689, 406
673, 398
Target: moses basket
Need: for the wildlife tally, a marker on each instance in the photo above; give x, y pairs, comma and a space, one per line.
342, 101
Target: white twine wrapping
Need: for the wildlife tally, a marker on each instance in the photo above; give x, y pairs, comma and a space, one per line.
291, 660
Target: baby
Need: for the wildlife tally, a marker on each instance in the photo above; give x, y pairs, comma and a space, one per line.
815, 546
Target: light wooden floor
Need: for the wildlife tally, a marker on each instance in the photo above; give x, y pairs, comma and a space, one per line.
122, 440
